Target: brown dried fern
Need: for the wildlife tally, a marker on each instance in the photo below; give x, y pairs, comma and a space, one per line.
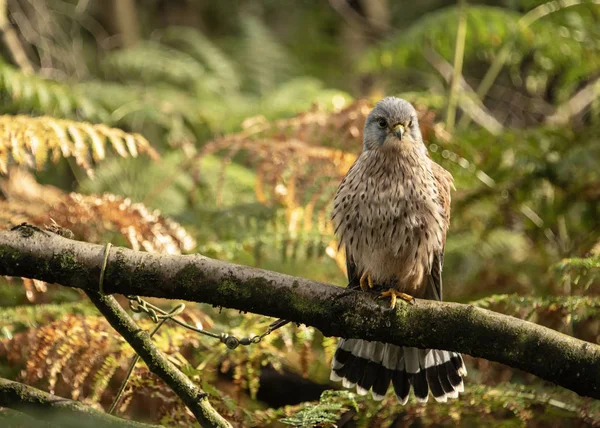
33, 141
53, 356
90, 217
301, 160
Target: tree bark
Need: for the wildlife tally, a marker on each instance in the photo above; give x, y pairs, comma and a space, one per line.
566, 361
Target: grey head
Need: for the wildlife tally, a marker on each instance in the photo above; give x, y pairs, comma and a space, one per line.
392, 123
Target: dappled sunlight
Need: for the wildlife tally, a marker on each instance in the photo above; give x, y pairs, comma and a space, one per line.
225, 129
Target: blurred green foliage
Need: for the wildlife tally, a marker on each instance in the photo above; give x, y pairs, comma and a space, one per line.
524, 237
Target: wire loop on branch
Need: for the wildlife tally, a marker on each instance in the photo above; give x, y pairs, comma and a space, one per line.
104, 263
160, 316
156, 314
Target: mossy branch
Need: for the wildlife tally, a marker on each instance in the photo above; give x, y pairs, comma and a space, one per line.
553, 356
50, 408
194, 398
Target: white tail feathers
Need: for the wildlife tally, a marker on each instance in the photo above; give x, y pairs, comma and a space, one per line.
374, 365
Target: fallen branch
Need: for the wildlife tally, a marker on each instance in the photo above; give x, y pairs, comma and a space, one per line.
564, 360
63, 412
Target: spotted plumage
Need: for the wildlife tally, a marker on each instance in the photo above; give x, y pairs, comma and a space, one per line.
391, 214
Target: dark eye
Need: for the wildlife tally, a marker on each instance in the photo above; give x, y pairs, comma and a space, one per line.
382, 123
410, 123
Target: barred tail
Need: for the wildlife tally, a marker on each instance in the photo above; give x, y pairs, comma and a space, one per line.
374, 365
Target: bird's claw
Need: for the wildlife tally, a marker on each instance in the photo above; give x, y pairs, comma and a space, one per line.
394, 295
366, 279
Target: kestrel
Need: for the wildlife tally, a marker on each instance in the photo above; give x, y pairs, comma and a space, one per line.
391, 213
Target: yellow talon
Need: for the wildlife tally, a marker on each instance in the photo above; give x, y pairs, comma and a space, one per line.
366, 277
394, 294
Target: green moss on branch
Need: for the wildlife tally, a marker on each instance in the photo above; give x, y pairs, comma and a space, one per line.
553, 356
50, 408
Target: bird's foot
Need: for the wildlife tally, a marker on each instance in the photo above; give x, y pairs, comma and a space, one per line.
366, 281
394, 295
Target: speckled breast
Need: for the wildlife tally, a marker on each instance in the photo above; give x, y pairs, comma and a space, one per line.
387, 216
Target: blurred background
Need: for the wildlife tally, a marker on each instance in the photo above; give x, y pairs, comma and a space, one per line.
224, 128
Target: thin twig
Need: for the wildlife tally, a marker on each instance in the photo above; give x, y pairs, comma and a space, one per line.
12, 41
576, 104
459, 54
132, 365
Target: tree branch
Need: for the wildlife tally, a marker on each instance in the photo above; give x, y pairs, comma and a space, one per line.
459, 54
194, 398
335, 311
50, 408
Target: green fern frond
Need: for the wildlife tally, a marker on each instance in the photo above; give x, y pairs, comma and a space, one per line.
509, 404
18, 318
290, 247
301, 94
324, 413
488, 29
501, 246
266, 61
576, 308
153, 63
196, 44
584, 272
172, 111
588, 263
138, 108
137, 180
30, 93
33, 141
103, 376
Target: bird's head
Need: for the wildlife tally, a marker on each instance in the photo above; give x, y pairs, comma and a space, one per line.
392, 123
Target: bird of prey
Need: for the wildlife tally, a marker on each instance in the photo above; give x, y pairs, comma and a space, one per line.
391, 213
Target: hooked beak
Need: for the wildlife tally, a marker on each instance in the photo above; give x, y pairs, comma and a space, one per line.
399, 131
